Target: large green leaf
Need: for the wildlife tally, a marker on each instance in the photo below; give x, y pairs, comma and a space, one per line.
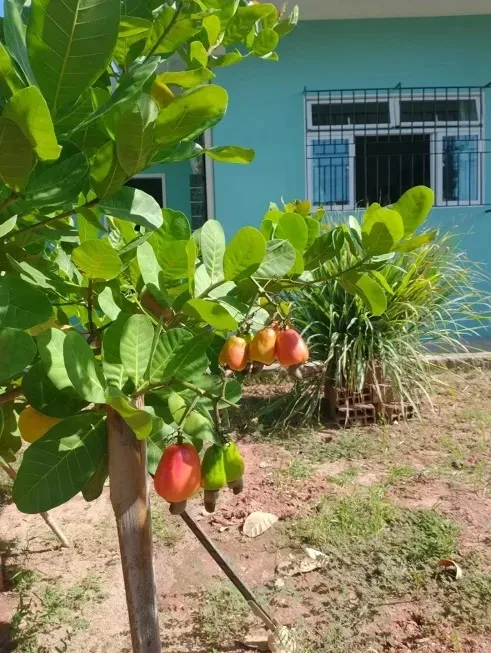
112, 365
157, 441
190, 114
414, 207
265, 42
381, 230
244, 19
83, 369
213, 249
56, 467
278, 260
59, 183
10, 441
17, 349
94, 487
322, 249
70, 43
313, 229
22, 306
132, 30
189, 359
134, 135
244, 254
292, 227
41, 393
211, 313
128, 90
28, 109
168, 343
108, 304
149, 267
106, 173
415, 242
136, 346
10, 81
16, 155
175, 226
172, 257
181, 151
133, 205
15, 36
200, 427
50, 346
230, 154
139, 421
368, 289
97, 260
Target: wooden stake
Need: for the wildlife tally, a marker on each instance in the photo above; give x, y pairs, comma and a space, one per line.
52, 523
131, 504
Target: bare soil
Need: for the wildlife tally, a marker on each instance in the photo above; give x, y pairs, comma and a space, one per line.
429, 476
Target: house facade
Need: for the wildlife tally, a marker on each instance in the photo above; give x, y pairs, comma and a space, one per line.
367, 100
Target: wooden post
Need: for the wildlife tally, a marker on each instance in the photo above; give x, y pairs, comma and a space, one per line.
131, 504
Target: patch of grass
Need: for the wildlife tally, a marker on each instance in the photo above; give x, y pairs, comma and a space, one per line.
164, 529
480, 417
399, 473
297, 470
223, 615
346, 477
379, 553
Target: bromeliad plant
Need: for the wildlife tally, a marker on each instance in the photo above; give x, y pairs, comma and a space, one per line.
112, 314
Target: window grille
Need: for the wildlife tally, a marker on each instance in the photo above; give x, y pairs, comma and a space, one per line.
371, 145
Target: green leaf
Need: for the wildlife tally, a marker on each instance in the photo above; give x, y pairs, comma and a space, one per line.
132, 30
10, 441
42, 394
96, 259
59, 183
157, 441
134, 135
16, 155
170, 342
192, 252
175, 226
170, 31
322, 249
70, 45
15, 36
28, 109
284, 27
244, 21
50, 346
292, 227
228, 59
17, 349
173, 259
133, 205
244, 254
177, 406
22, 306
7, 226
83, 370
107, 303
198, 55
88, 224
190, 114
178, 152
128, 90
188, 358
112, 365
381, 230
106, 173
186, 78
10, 82
210, 312
56, 467
150, 269
382, 281
414, 207
94, 487
230, 154
278, 261
265, 42
313, 229
136, 346
417, 241
198, 426
139, 421
213, 249
367, 289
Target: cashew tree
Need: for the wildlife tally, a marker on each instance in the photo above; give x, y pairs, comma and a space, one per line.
116, 321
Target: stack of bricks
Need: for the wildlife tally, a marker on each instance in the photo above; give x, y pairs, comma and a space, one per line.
375, 403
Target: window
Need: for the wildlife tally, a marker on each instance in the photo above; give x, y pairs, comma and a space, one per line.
152, 184
372, 146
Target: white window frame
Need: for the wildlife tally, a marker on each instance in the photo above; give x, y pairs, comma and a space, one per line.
155, 175
435, 130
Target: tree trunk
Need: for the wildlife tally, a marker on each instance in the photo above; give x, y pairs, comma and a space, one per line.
131, 504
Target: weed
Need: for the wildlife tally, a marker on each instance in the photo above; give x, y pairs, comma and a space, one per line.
223, 615
164, 530
398, 474
297, 470
346, 477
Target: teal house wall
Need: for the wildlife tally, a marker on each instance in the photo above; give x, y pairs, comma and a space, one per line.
266, 109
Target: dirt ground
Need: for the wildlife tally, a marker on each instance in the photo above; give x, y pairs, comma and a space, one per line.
384, 505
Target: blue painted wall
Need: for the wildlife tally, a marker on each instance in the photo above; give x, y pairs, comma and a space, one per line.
176, 185
266, 108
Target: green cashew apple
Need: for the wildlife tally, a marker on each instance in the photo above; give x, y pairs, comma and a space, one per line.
213, 477
234, 467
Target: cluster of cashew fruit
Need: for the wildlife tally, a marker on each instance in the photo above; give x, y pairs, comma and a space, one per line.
180, 474
268, 345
